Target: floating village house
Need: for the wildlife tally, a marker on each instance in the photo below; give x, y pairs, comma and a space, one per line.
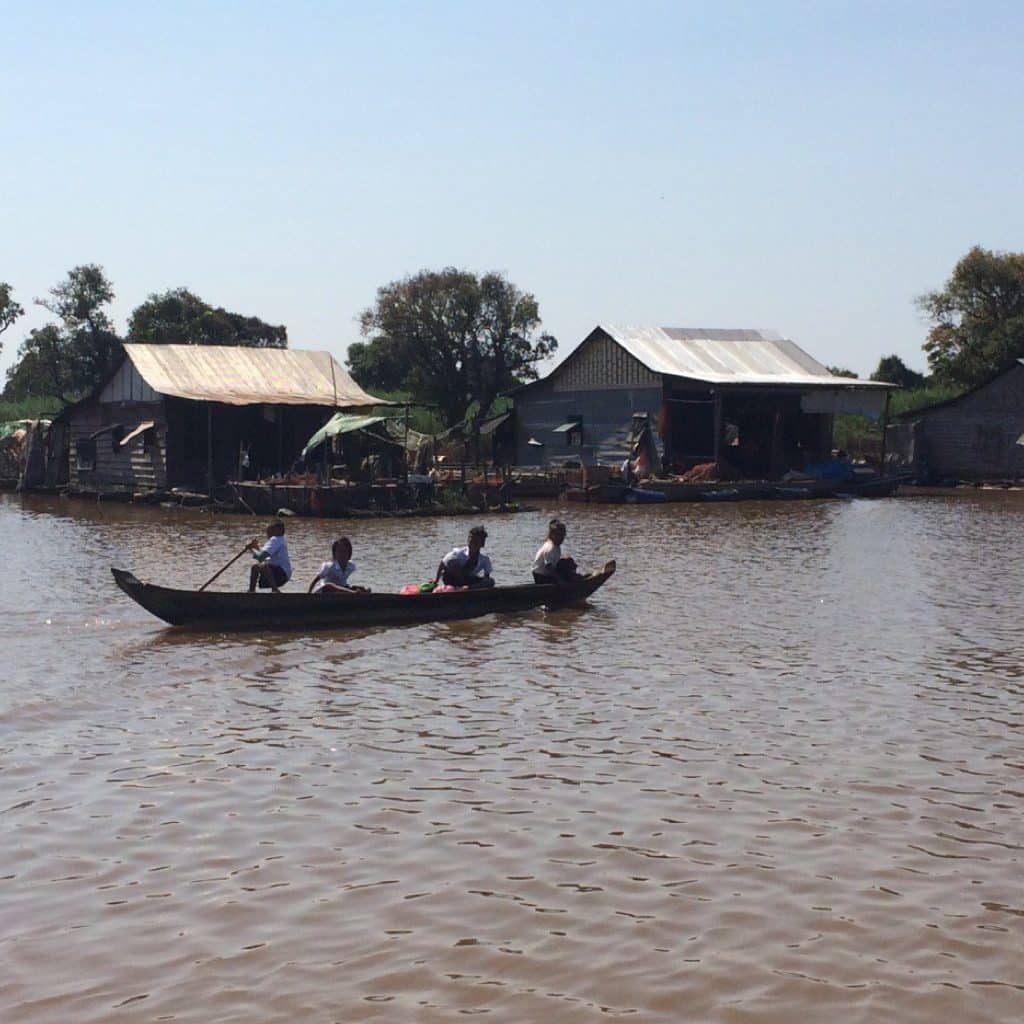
749, 399
978, 435
195, 416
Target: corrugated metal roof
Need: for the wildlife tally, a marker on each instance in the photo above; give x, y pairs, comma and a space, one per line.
246, 376
726, 356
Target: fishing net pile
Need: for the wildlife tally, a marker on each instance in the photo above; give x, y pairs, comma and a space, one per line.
710, 472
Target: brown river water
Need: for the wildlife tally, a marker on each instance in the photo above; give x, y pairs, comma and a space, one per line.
774, 771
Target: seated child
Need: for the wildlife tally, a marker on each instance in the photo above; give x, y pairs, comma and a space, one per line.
467, 566
548, 564
273, 569
333, 576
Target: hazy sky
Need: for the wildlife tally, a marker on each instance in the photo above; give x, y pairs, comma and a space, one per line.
807, 167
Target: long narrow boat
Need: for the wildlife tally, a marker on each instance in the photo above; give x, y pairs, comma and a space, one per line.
219, 610
870, 487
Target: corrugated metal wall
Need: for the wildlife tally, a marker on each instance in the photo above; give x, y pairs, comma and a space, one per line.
607, 417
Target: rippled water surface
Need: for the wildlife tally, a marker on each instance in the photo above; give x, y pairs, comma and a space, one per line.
775, 771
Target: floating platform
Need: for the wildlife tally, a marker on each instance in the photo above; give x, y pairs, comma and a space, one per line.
660, 491
369, 501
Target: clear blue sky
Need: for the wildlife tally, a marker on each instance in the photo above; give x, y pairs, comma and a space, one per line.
809, 167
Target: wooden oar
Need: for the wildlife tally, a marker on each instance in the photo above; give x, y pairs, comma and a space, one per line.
247, 547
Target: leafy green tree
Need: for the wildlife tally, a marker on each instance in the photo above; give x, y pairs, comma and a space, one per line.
43, 369
977, 318
841, 371
9, 309
461, 340
69, 358
378, 365
892, 370
181, 318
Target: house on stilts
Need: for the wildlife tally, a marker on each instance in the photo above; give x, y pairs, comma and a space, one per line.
750, 399
194, 416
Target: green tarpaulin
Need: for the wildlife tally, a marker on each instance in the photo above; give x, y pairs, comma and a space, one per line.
340, 423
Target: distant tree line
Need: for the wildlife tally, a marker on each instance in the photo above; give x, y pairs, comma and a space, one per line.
450, 339
456, 341
9, 309
79, 348
977, 318
976, 326
976, 330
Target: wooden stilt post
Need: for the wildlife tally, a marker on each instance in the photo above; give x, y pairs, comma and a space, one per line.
776, 452
209, 448
718, 426
885, 431
280, 440
405, 444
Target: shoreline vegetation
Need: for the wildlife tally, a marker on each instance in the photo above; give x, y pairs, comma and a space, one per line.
859, 435
30, 409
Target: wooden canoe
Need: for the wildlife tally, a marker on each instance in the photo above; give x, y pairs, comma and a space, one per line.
268, 611
869, 487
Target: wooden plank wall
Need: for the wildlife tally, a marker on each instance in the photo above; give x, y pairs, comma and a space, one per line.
134, 468
975, 438
128, 386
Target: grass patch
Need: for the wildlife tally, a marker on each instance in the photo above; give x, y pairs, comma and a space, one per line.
907, 401
30, 409
860, 435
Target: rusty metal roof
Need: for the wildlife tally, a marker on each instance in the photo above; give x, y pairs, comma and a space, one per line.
727, 356
247, 376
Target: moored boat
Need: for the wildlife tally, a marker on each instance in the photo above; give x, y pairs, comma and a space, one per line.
870, 487
643, 496
222, 610
614, 494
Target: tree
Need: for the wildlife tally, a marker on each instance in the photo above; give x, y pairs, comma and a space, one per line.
378, 364
461, 339
66, 360
977, 318
179, 317
892, 370
43, 368
9, 309
841, 371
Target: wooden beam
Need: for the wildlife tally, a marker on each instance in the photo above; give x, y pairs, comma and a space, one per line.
209, 448
280, 439
718, 425
885, 430
776, 450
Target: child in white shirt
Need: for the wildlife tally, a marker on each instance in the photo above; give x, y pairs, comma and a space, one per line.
274, 568
467, 566
548, 564
333, 576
